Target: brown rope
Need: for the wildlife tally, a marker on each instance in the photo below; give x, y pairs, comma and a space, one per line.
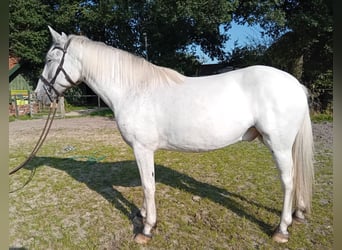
41, 139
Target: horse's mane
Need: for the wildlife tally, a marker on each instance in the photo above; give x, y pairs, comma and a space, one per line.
110, 64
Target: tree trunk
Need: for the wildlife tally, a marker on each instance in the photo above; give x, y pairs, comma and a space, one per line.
297, 67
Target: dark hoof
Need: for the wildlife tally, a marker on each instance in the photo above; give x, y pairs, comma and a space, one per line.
280, 237
142, 238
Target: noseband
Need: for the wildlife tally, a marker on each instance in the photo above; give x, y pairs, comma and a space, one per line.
49, 85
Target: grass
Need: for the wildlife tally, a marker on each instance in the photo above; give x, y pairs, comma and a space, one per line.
231, 198
12, 118
322, 117
104, 112
69, 107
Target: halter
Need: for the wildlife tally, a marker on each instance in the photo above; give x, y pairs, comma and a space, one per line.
48, 85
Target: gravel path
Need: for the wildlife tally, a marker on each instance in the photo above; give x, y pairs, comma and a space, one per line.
28, 131
323, 135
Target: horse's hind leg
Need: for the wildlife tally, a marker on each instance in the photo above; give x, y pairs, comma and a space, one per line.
281, 149
284, 163
298, 216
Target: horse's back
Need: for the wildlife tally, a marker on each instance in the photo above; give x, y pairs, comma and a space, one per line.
257, 87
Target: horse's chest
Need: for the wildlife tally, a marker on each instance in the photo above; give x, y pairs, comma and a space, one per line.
138, 129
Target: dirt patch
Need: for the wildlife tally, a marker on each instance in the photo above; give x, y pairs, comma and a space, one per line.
28, 132
71, 124
323, 134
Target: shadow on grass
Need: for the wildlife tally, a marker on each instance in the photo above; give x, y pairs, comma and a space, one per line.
103, 177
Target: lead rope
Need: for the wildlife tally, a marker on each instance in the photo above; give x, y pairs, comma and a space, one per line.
46, 129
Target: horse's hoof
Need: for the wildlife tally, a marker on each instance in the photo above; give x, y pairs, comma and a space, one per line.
142, 238
280, 237
297, 220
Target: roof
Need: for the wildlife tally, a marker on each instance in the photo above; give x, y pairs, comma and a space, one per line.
12, 61
13, 66
19, 83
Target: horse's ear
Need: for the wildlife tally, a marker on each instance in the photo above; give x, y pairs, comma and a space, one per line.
56, 37
64, 36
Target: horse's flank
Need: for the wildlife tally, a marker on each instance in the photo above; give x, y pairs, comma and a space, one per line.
111, 64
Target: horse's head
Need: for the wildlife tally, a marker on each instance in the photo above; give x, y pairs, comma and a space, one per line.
62, 69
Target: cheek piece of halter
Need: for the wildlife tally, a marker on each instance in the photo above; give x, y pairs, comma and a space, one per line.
49, 85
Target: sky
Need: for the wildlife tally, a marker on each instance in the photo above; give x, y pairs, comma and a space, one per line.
242, 35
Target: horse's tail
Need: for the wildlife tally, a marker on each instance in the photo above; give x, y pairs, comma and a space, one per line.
302, 153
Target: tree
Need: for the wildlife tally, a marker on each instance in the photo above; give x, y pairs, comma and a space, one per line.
302, 31
171, 27
29, 38
248, 55
28, 31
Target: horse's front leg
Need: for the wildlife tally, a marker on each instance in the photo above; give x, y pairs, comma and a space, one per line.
145, 161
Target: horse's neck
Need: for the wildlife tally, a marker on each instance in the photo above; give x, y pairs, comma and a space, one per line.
108, 90
104, 83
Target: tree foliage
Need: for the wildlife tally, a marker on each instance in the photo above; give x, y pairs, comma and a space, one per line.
303, 45
28, 34
169, 26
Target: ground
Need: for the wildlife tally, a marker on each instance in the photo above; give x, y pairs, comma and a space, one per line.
86, 188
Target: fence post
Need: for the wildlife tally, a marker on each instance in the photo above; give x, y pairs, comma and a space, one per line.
30, 104
16, 106
61, 106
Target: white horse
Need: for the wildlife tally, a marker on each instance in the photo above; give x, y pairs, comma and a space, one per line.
158, 108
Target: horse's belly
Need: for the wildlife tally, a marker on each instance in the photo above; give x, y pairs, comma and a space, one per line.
204, 122
202, 136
